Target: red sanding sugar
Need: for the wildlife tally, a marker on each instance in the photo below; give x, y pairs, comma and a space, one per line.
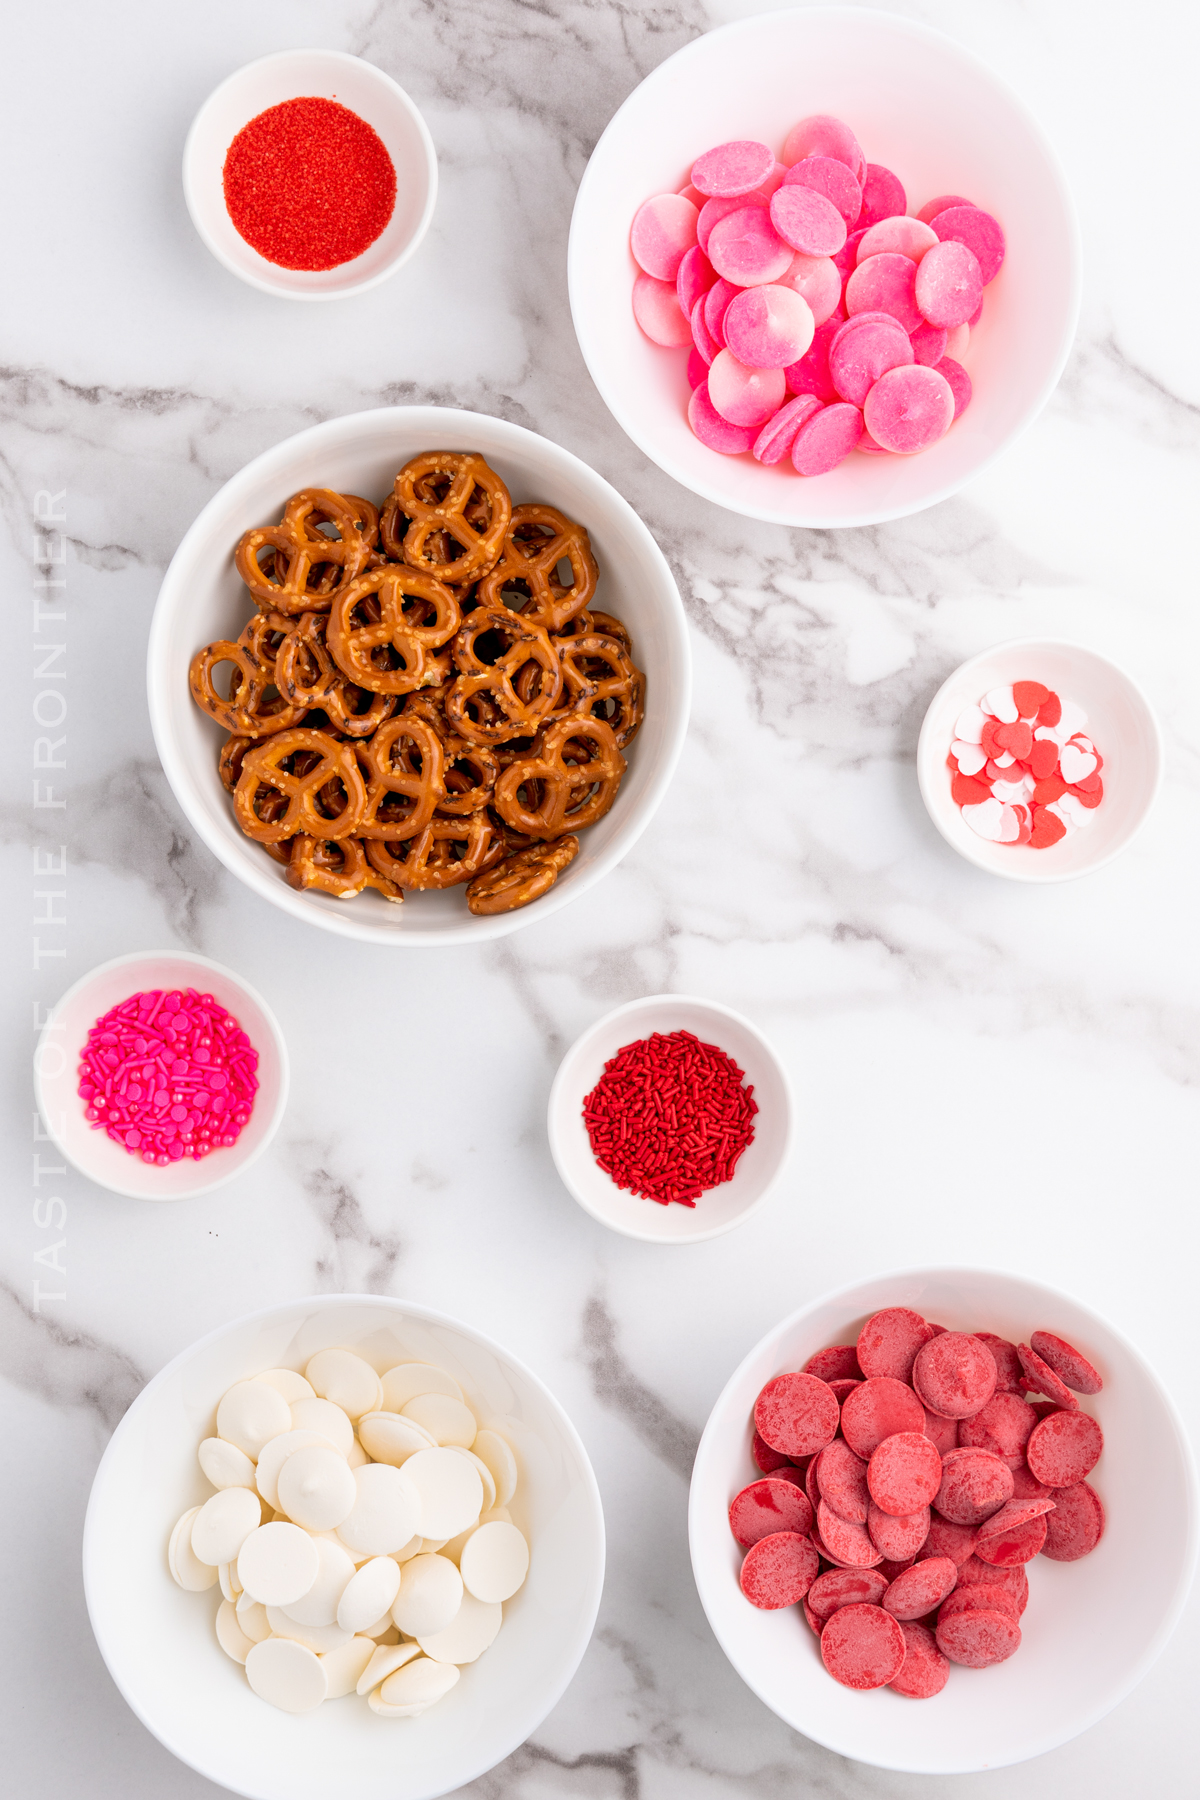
670, 1117
168, 1075
309, 184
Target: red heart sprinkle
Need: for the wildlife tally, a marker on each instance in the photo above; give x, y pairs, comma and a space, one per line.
1050, 711
1047, 828
1052, 788
1043, 759
1028, 696
966, 791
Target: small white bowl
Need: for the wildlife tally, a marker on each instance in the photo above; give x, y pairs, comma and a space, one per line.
56, 1075
1071, 1647
321, 74
759, 1166
1120, 723
159, 1642
202, 598
944, 123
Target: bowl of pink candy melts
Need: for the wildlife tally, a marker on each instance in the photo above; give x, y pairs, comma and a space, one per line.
823, 267
161, 1075
1039, 760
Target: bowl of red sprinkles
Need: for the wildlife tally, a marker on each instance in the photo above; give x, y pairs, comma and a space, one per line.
161, 1075
310, 174
670, 1119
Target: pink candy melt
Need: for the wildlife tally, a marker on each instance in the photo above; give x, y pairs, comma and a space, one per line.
805, 279
168, 1075
664, 230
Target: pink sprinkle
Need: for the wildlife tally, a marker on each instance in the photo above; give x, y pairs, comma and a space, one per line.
212, 1062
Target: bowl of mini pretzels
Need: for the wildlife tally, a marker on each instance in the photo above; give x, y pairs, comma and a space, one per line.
418, 675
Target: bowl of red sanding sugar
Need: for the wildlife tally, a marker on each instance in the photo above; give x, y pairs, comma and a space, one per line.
1116, 718
920, 105
209, 1034
701, 1088
310, 174
1092, 1628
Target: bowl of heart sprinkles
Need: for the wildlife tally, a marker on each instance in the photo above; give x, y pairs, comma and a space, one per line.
1039, 760
934, 1486
669, 1119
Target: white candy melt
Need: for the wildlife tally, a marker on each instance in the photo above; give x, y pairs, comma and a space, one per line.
431, 1591
230, 1636
383, 1661
293, 1387
448, 1421
969, 757
252, 1413
494, 1562
184, 1564
388, 1438
1000, 703
323, 1416
224, 1523
287, 1675
335, 1571
252, 1617
320, 1639
497, 1453
387, 1507
277, 1564
417, 1686
224, 1464
407, 1380
276, 1453
347, 1380
317, 1488
369, 1595
474, 1627
449, 1492
968, 727
344, 1667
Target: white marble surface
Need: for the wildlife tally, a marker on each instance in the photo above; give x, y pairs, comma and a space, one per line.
984, 1073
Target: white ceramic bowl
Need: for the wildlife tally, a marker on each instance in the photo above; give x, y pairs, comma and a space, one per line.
980, 1720
202, 598
56, 1077
759, 1166
159, 1643
1120, 723
918, 103
321, 74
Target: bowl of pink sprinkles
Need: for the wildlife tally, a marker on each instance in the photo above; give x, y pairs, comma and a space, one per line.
161, 1075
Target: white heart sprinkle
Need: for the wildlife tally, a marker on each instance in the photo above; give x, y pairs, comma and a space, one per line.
1000, 703
968, 727
1076, 764
985, 819
969, 757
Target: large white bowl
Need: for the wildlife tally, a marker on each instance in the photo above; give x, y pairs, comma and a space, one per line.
1121, 723
1074, 1663
920, 104
202, 599
56, 1077
159, 1642
321, 74
759, 1166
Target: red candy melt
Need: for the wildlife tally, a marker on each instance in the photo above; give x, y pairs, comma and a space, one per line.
863, 1647
839, 1362
168, 1075
877, 1409
920, 1588
766, 1507
975, 1484
1069, 1364
1039, 1378
954, 1374
925, 1670
889, 1341
842, 1481
904, 1473
1064, 1448
846, 1587
796, 1414
1076, 1525
978, 1639
779, 1570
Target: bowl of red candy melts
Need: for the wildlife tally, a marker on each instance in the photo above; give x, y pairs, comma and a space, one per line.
161, 1075
824, 267
920, 1507
1039, 760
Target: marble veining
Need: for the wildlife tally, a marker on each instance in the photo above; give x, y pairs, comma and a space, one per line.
983, 1073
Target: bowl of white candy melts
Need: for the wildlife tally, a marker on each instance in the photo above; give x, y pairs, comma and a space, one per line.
350, 1499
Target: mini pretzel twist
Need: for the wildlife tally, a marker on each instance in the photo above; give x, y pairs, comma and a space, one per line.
601, 682
520, 878
404, 765
384, 629
305, 568
484, 705
322, 771
526, 577
229, 762
451, 491
336, 867
446, 853
254, 708
305, 673
470, 778
569, 781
